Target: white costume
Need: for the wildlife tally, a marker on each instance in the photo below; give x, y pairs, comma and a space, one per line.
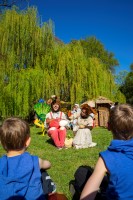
83, 138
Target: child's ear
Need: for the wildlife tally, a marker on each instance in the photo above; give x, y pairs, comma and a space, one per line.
28, 141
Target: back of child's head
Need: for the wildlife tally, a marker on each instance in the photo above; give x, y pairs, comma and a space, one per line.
14, 133
121, 121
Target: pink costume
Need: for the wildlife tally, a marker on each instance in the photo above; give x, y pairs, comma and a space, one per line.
58, 135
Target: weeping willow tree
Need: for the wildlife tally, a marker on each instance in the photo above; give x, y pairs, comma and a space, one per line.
34, 65
74, 77
24, 45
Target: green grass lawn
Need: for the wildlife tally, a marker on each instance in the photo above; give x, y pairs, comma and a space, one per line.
66, 161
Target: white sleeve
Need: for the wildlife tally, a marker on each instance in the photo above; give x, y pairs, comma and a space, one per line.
48, 116
63, 116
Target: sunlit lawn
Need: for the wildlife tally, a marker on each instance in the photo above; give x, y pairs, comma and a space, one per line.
66, 161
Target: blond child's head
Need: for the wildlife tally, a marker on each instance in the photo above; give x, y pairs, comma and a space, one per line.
121, 121
14, 133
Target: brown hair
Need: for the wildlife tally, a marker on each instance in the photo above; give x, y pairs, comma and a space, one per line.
87, 108
121, 121
53, 100
13, 133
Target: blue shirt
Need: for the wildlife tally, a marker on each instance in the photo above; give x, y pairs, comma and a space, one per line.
20, 178
118, 159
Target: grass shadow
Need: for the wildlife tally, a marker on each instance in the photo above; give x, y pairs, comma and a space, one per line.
50, 141
39, 133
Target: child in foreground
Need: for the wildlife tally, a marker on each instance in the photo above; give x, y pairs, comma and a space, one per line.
117, 160
20, 176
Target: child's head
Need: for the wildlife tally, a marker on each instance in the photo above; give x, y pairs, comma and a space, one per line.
121, 121
14, 133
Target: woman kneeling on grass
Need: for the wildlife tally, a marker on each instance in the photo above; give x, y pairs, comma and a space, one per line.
83, 138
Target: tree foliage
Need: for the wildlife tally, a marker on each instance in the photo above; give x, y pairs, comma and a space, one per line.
127, 88
131, 67
11, 3
94, 48
35, 65
121, 77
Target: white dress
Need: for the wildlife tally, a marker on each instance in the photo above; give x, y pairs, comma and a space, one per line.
83, 138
